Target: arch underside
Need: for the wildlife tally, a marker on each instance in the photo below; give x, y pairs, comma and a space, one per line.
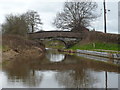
67, 42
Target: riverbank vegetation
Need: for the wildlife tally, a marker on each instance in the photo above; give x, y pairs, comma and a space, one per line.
97, 40
96, 45
15, 40
14, 46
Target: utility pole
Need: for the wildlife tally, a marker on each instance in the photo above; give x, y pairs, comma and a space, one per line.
104, 17
105, 31
106, 81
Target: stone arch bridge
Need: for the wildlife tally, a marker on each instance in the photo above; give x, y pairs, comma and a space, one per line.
69, 38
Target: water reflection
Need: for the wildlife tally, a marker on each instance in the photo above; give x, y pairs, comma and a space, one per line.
76, 79
71, 72
65, 79
99, 58
18, 71
54, 55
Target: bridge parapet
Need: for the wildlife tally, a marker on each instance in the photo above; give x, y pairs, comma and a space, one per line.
54, 34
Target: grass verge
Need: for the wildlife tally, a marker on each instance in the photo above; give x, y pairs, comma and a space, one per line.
97, 45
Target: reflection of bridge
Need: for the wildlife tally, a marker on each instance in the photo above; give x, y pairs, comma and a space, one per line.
69, 38
71, 62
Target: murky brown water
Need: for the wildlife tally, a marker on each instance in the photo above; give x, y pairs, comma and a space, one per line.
58, 70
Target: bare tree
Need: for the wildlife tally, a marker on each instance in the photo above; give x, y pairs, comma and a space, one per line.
21, 24
15, 24
33, 20
76, 15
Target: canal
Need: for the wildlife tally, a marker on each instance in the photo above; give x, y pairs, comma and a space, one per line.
60, 70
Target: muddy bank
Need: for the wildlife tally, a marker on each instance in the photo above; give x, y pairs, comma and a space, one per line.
15, 46
11, 54
19, 43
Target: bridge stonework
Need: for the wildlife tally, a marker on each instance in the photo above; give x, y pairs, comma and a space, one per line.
70, 38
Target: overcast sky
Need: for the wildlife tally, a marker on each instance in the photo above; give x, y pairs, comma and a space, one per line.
48, 9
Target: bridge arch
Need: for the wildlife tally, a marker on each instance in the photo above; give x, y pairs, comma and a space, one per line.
67, 37
56, 39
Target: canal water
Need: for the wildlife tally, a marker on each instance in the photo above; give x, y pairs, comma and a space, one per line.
60, 70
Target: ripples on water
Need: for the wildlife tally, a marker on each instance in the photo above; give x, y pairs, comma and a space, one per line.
58, 70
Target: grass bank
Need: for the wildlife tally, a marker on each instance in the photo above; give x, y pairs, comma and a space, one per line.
97, 46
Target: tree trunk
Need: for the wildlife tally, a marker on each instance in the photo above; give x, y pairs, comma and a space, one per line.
32, 28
